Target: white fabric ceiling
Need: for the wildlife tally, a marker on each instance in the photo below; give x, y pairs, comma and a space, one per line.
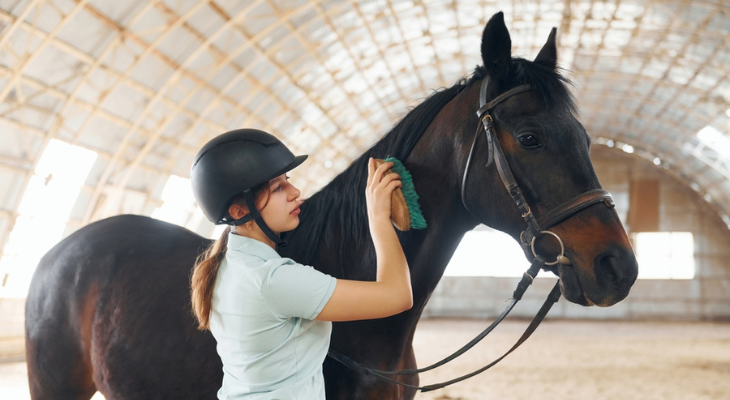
146, 83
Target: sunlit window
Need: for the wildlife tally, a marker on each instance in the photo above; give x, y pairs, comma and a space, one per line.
665, 255
488, 253
661, 255
178, 202
218, 231
711, 137
43, 213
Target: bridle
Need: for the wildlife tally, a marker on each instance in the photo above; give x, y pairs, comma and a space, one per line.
536, 227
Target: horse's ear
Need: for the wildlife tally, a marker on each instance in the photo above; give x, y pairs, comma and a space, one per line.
496, 47
548, 56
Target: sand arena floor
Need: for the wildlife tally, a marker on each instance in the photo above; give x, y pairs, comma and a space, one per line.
566, 360
578, 360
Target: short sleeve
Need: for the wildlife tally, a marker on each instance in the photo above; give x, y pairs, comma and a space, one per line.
296, 290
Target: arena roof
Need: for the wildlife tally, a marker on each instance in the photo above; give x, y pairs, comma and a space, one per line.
145, 83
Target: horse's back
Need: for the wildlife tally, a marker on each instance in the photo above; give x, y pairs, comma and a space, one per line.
109, 309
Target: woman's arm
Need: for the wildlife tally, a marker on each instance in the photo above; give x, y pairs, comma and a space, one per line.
391, 292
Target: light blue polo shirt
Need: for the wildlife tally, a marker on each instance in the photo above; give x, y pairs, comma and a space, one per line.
263, 320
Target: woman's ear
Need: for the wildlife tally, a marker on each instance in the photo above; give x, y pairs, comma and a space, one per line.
236, 211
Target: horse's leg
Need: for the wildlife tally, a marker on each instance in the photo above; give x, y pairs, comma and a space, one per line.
59, 366
59, 371
379, 351
408, 361
346, 384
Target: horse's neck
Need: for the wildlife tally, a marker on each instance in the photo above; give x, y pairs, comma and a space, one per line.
447, 223
435, 168
428, 250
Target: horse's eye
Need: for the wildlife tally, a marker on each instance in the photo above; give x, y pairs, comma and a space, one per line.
529, 141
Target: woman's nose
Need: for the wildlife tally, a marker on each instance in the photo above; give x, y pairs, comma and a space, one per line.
294, 193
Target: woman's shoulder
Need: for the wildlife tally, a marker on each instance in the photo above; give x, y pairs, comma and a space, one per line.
243, 263
243, 244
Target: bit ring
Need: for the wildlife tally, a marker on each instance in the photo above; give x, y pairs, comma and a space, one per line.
560, 256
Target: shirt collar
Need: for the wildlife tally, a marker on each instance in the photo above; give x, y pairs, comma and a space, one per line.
251, 246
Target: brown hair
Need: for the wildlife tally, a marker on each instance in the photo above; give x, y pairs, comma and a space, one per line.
208, 263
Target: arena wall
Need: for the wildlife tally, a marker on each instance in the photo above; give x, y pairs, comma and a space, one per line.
705, 297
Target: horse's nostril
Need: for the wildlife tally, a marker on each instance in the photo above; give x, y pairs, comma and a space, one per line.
617, 267
609, 269
615, 271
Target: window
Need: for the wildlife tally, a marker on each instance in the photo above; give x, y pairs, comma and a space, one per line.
218, 231
488, 252
178, 205
665, 255
43, 213
713, 138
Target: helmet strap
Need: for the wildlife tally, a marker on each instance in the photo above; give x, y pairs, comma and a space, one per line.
256, 216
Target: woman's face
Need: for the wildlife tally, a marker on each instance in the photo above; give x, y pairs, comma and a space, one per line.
281, 212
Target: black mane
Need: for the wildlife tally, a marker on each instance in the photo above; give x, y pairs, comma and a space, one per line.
341, 205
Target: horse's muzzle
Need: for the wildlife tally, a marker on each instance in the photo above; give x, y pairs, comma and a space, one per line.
605, 283
616, 271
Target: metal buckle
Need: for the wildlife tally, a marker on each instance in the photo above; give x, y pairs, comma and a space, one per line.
529, 211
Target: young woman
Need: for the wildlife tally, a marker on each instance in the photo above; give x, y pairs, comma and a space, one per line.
270, 315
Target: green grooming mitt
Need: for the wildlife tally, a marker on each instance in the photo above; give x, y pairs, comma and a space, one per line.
409, 200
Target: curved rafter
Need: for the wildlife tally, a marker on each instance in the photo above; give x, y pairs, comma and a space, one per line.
676, 167
173, 80
170, 122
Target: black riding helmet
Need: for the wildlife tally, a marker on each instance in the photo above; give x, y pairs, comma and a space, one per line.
234, 163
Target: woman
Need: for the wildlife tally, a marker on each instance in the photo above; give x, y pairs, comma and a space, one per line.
269, 315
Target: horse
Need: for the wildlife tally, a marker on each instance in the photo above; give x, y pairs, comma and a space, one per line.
108, 308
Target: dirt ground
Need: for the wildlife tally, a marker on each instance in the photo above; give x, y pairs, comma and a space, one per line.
571, 360
565, 360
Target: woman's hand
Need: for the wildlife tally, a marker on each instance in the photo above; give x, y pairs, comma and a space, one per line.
379, 189
391, 292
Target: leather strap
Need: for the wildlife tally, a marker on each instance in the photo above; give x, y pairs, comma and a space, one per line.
508, 179
527, 279
256, 216
574, 206
485, 107
486, 118
468, 163
552, 298
565, 211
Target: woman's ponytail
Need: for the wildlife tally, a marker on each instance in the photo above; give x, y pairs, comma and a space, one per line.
208, 263
204, 276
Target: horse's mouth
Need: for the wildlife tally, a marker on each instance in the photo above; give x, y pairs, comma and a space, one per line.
570, 285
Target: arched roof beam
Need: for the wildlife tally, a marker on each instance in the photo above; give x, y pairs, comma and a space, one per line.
207, 44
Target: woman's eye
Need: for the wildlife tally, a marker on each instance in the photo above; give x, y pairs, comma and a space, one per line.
278, 188
529, 141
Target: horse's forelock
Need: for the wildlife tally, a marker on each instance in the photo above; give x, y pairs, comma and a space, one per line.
550, 85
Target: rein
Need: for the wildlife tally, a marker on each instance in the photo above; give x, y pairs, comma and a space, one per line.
527, 242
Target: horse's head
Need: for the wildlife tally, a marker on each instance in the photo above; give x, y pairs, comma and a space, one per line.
546, 149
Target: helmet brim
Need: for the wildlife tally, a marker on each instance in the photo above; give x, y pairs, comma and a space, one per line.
298, 160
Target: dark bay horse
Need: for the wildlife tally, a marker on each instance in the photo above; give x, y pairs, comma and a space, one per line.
109, 306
